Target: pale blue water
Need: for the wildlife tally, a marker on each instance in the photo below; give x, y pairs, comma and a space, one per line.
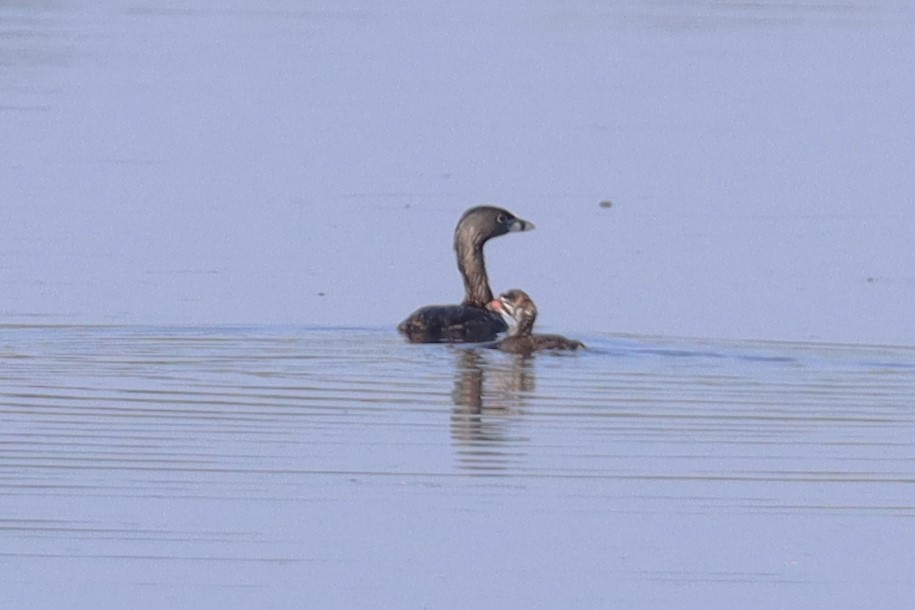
213, 215
247, 162
275, 466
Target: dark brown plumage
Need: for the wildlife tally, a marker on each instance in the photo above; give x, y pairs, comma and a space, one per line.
520, 307
469, 322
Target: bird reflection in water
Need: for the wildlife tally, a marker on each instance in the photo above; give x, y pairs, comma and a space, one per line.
488, 399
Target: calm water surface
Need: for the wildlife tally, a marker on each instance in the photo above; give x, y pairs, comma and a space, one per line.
170, 171
265, 466
273, 161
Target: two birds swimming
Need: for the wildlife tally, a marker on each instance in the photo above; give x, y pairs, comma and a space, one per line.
479, 317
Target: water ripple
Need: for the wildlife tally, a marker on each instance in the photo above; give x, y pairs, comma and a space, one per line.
126, 443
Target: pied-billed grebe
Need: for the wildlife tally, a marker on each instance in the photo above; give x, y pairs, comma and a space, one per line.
518, 305
469, 322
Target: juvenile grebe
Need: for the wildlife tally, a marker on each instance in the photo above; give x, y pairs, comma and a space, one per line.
517, 305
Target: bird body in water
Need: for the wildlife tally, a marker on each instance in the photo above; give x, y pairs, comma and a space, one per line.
471, 321
516, 304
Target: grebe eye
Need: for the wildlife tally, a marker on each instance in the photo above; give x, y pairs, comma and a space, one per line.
501, 218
